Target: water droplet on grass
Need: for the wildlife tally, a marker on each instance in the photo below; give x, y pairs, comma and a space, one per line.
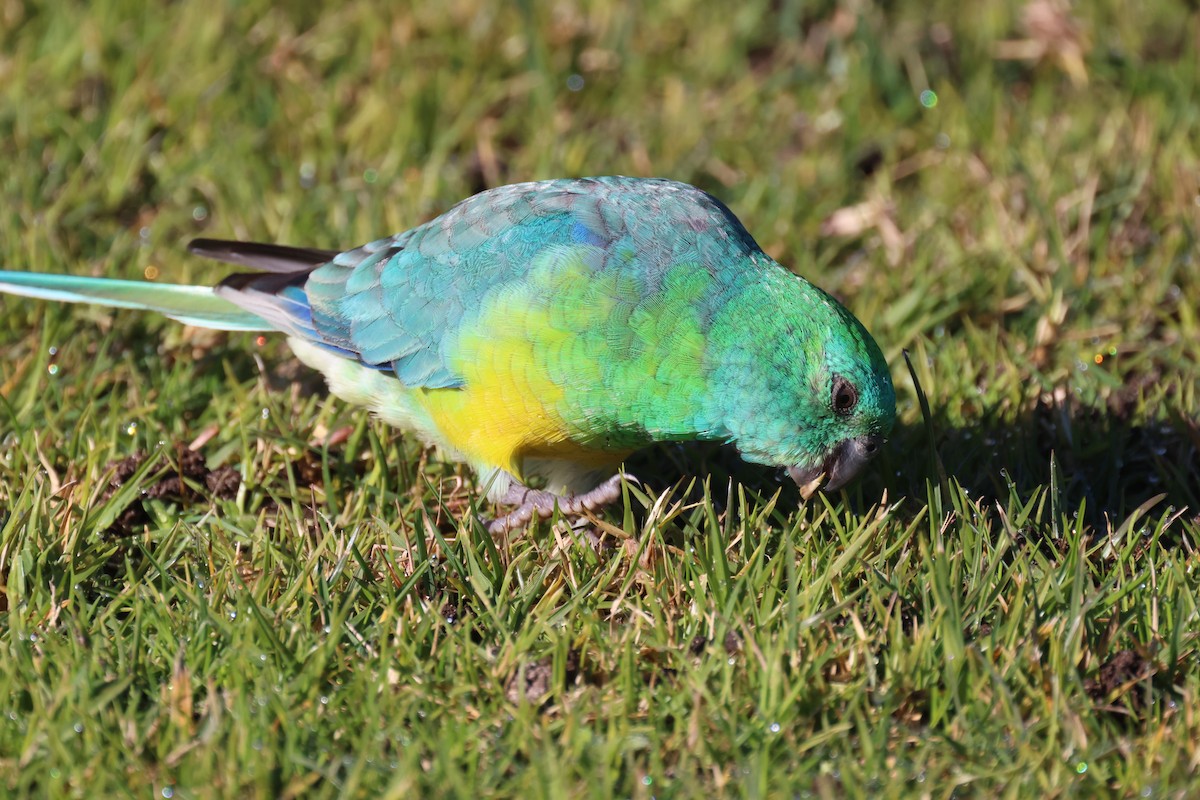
929, 98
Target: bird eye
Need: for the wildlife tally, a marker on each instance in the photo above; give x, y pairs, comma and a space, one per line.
845, 397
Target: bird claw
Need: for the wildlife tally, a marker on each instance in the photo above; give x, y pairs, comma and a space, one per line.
531, 502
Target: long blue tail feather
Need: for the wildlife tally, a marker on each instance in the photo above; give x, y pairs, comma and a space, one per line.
192, 305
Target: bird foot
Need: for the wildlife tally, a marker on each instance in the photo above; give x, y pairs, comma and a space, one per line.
539, 503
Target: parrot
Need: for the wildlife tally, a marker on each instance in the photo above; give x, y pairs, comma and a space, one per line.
545, 331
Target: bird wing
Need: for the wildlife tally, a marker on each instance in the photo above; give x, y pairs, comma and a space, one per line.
397, 304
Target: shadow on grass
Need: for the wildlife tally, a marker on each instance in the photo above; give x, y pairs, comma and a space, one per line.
1107, 464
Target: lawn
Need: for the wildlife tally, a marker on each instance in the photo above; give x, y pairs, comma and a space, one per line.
219, 581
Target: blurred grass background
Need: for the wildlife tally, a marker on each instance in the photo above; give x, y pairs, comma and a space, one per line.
1006, 605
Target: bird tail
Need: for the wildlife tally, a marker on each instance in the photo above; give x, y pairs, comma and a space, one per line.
192, 305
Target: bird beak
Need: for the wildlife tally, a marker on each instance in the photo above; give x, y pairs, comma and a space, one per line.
839, 468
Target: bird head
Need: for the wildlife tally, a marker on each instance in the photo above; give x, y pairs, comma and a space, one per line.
813, 391
845, 459
849, 406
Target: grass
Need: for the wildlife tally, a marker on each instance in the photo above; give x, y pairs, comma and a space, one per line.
1005, 606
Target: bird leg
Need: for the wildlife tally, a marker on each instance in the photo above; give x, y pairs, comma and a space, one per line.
540, 503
